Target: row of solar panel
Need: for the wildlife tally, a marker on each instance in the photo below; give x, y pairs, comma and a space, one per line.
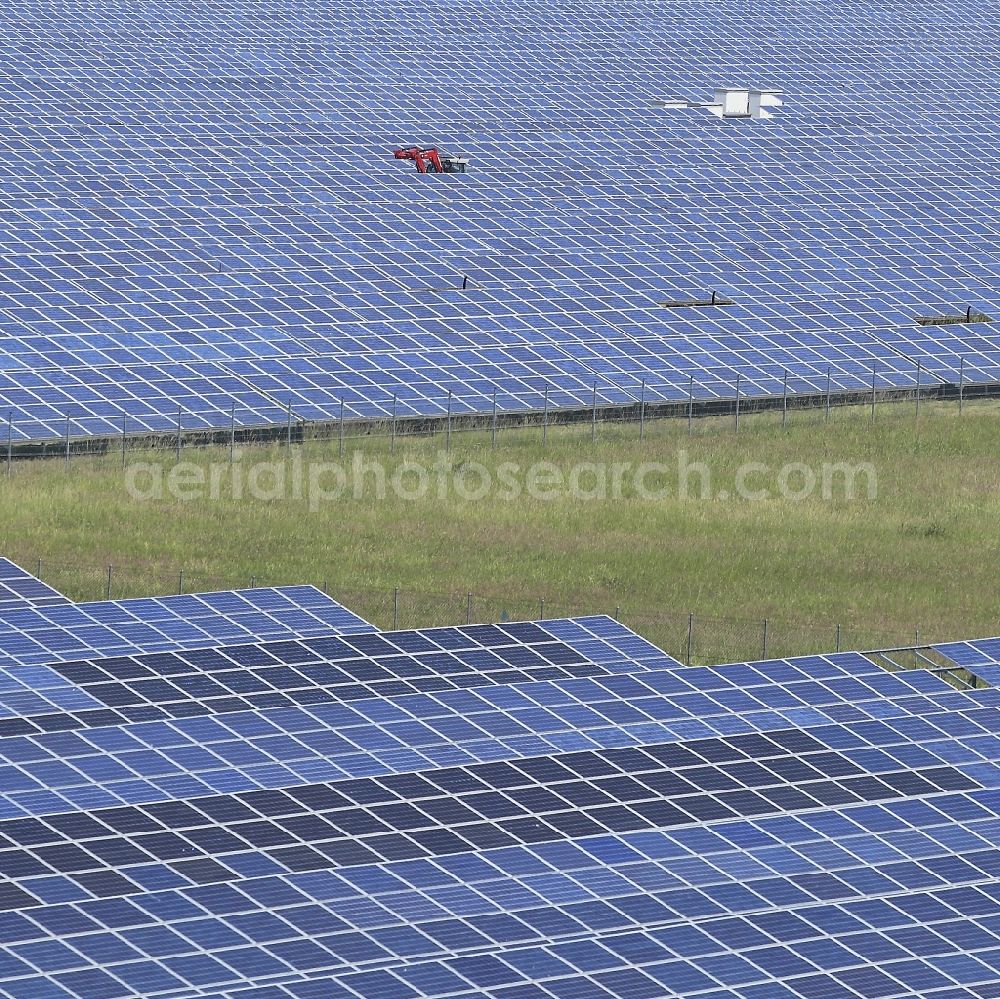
106, 760
105, 401
53, 630
246, 935
499, 225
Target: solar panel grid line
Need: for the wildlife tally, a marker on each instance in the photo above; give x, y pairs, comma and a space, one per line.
925, 786
383, 746
719, 920
18, 588
612, 941
973, 653
247, 677
678, 834
282, 676
633, 980
857, 239
570, 717
188, 856
40, 635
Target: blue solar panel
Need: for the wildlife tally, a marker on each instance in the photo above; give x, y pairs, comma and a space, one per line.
980, 657
51, 632
550, 807
19, 589
214, 220
547, 870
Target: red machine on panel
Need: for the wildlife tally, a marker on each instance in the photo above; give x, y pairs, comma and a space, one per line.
429, 160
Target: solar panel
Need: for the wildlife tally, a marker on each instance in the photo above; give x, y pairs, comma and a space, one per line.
43, 633
980, 657
686, 858
551, 806
18, 588
355, 729
214, 221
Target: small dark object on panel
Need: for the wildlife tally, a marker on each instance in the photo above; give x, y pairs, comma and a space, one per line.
697, 303
944, 320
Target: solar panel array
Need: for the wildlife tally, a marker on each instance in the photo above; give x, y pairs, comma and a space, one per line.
543, 809
201, 219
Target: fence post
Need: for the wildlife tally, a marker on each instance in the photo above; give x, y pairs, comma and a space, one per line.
493, 425
545, 418
67, 438
642, 410
448, 439
38, 575
180, 581
124, 432
784, 399
918, 390
690, 635
541, 609
232, 434
873, 393
593, 421
838, 637
10, 440
690, 403
737, 427
395, 609
253, 582
288, 440
341, 428
826, 416
961, 383
618, 613
107, 589
468, 609
179, 431
764, 656
392, 440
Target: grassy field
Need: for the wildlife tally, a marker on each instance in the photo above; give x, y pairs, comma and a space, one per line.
918, 554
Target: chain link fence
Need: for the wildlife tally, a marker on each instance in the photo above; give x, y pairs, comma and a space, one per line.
689, 637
